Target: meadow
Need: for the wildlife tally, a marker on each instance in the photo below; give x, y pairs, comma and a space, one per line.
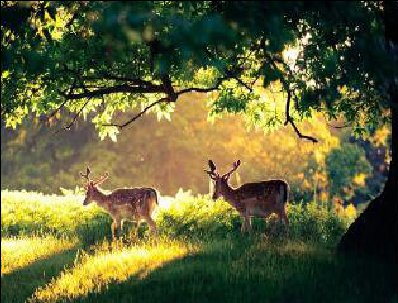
55, 250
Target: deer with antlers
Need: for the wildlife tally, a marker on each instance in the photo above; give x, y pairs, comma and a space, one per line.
251, 199
122, 203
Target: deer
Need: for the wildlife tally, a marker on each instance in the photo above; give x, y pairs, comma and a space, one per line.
259, 199
122, 203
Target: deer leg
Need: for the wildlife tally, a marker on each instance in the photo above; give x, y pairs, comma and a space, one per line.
243, 227
249, 224
115, 228
285, 219
246, 223
152, 225
121, 227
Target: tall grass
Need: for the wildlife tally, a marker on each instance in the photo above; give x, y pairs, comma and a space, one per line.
199, 217
31, 213
188, 216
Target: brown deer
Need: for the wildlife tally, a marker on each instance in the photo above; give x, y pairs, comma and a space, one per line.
122, 203
251, 199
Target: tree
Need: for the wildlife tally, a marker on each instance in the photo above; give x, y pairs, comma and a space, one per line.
344, 164
97, 59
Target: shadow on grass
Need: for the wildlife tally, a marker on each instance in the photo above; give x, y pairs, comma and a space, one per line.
248, 272
20, 284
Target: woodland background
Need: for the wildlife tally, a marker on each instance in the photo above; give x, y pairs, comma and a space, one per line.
171, 154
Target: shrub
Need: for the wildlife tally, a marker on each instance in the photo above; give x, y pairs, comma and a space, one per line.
30, 213
195, 217
202, 217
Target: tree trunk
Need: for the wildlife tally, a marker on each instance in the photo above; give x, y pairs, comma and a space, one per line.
375, 231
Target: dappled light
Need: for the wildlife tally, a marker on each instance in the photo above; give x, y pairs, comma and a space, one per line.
93, 273
18, 252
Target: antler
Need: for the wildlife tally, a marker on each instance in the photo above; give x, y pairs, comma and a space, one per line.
235, 166
86, 175
102, 179
213, 170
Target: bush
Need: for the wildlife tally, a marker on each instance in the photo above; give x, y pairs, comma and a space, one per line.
202, 217
30, 213
199, 217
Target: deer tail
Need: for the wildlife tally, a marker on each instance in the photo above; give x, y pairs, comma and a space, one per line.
153, 194
285, 192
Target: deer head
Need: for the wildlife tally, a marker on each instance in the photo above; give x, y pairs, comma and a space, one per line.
221, 182
91, 185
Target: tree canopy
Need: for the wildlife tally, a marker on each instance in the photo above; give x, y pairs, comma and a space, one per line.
95, 59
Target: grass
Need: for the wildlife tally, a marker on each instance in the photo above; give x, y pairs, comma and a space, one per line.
199, 257
115, 264
20, 252
19, 285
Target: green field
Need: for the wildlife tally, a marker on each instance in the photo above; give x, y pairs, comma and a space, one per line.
55, 250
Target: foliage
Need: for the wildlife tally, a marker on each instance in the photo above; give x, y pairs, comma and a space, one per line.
316, 223
200, 217
347, 169
34, 158
97, 59
186, 216
27, 213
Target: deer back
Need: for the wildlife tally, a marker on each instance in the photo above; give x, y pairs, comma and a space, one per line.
269, 194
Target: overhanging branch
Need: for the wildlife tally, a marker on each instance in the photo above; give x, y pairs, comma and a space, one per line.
299, 134
135, 117
122, 88
202, 90
289, 120
62, 105
286, 86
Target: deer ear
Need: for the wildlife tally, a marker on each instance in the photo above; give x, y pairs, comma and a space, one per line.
88, 170
212, 166
210, 174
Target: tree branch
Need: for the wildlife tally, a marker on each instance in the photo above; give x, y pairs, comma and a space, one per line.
148, 107
289, 120
287, 109
299, 134
171, 97
67, 127
123, 88
286, 86
337, 126
202, 90
63, 103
